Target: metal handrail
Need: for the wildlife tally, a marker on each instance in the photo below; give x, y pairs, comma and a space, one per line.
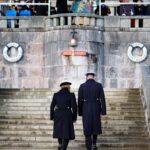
28, 4
111, 4
115, 3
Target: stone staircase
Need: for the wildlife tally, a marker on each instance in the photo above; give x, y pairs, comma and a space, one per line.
25, 124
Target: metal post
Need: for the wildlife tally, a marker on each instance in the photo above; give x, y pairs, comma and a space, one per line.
49, 7
0, 10
100, 7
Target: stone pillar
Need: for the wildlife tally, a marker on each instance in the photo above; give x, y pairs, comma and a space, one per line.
72, 68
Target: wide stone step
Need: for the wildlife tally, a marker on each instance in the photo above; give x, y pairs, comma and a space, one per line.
106, 90
19, 93
123, 100
119, 97
46, 115
78, 132
48, 94
31, 104
78, 148
109, 112
136, 94
110, 109
44, 100
101, 138
72, 144
123, 145
48, 91
47, 105
38, 96
47, 100
132, 90
45, 108
78, 127
25, 97
115, 122
77, 124
40, 122
41, 101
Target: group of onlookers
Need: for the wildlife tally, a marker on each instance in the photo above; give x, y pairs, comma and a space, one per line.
126, 9
15, 10
136, 9
78, 6
27, 9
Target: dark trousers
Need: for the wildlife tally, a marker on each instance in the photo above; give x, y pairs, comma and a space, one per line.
90, 141
63, 144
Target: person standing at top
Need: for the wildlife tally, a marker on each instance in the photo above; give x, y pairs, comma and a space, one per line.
140, 9
41, 10
91, 105
105, 10
125, 9
62, 6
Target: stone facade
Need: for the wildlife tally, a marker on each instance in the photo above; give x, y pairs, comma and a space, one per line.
28, 72
106, 40
71, 68
120, 71
44, 63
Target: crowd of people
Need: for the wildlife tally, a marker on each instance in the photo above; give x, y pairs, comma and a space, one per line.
137, 9
25, 8
78, 6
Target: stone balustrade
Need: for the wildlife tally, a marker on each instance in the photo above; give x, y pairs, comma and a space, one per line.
127, 23
22, 22
109, 23
62, 20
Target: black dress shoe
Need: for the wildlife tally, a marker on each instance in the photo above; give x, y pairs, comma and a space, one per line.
59, 147
95, 147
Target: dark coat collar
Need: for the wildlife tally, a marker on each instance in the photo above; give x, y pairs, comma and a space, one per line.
64, 90
89, 80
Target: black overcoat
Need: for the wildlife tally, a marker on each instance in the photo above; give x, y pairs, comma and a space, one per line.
63, 111
140, 10
91, 104
62, 6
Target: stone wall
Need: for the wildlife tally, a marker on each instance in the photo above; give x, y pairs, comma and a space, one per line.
106, 41
44, 66
120, 71
28, 72
73, 68
146, 89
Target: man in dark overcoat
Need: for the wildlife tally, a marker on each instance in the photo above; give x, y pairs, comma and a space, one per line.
63, 111
41, 10
91, 105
